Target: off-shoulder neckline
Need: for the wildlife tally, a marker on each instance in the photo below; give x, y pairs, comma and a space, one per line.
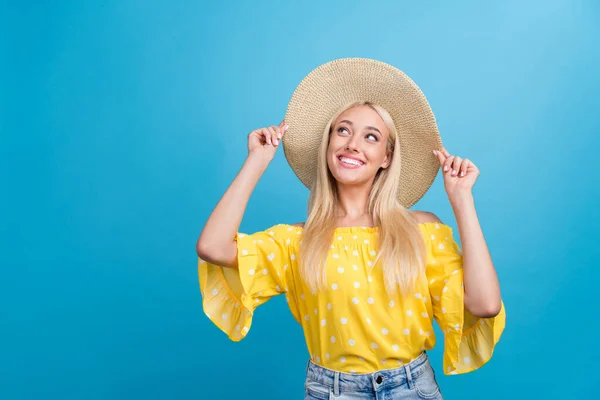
353, 229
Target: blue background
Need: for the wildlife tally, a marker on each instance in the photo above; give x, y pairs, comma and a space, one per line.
123, 122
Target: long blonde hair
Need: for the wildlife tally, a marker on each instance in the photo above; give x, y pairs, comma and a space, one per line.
401, 251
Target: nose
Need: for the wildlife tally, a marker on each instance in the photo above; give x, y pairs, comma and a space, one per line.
351, 144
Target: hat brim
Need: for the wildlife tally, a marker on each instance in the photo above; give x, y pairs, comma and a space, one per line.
331, 86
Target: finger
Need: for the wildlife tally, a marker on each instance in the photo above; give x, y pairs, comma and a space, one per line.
274, 139
441, 158
267, 134
464, 167
448, 163
275, 135
284, 127
456, 165
258, 134
445, 152
279, 132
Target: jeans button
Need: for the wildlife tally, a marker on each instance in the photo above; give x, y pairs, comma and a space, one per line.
379, 379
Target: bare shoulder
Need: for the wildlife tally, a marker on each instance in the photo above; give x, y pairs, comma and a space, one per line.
424, 216
420, 216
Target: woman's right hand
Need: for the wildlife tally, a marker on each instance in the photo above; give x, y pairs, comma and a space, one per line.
263, 142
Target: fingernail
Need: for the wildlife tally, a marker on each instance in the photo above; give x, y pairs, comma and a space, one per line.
286, 126
453, 172
462, 174
279, 136
446, 168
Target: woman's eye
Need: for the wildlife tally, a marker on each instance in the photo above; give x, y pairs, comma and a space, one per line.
370, 136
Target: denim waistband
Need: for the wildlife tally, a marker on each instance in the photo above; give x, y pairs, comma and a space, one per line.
343, 381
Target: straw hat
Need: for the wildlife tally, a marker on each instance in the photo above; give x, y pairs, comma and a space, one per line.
334, 84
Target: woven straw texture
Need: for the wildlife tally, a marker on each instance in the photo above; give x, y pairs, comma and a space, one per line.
331, 86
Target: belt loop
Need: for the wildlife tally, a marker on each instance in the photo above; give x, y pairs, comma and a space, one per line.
336, 383
408, 376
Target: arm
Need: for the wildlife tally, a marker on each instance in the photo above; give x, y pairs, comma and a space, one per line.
482, 289
216, 243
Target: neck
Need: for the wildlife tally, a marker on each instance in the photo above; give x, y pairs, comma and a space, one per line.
352, 201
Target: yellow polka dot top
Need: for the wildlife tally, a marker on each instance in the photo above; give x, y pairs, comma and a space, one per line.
353, 326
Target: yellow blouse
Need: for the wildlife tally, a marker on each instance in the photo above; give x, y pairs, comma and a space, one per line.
353, 326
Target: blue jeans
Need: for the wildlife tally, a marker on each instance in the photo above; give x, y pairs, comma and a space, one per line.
415, 380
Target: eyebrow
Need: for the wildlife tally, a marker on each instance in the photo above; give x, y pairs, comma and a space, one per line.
368, 127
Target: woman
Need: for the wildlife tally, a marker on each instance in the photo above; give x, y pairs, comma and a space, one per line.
364, 276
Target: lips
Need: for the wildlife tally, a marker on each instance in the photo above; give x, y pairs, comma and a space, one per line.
351, 162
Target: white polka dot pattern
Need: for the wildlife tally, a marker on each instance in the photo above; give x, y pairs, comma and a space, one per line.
353, 319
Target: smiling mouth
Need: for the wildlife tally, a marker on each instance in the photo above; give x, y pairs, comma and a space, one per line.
350, 161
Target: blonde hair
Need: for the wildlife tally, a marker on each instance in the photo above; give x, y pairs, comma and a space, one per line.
401, 249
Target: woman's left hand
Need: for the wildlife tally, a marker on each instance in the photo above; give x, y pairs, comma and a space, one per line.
459, 173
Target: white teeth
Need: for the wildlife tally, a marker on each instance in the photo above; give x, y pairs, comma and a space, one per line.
350, 161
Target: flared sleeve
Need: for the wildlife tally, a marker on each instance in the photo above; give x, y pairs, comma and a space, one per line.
468, 341
230, 296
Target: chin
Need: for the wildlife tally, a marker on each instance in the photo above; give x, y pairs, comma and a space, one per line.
347, 179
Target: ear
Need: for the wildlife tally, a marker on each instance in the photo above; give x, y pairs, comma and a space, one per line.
387, 160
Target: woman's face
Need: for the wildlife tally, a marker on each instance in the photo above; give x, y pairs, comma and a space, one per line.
357, 146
